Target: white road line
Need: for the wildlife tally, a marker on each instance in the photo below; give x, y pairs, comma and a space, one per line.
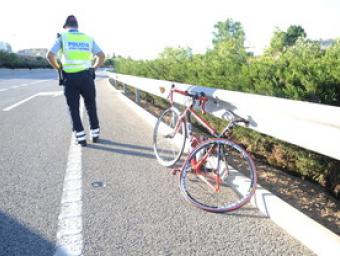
20, 102
70, 222
53, 94
27, 84
23, 85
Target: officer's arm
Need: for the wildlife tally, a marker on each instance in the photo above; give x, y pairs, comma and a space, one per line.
52, 59
99, 60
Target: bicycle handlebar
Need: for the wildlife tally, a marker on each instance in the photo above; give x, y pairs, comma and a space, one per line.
202, 99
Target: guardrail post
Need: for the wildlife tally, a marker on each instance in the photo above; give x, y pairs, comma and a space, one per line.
138, 96
124, 89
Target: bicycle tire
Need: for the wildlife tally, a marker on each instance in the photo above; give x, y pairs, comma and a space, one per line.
226, 179
171, 150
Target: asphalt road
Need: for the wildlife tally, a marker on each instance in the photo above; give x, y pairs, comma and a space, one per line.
137, 211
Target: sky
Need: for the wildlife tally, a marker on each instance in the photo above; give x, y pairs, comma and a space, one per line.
141, 29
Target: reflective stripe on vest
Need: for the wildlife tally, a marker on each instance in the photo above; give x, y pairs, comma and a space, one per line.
76, 52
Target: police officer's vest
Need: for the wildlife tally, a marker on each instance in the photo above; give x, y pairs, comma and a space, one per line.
76, 52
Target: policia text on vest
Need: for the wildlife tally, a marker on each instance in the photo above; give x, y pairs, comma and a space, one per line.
76, 46
77, 51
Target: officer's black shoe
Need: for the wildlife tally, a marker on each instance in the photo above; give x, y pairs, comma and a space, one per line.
95, 139
83, 143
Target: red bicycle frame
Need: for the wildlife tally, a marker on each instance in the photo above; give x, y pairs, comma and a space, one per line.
190, 109
196, 165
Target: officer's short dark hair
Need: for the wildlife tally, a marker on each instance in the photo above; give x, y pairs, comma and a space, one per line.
71, 21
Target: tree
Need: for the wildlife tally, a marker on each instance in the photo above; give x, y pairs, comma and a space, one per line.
228, 30
277, 43
294, 32
281, 40
179, 53
174, 62
9, 47
109, 62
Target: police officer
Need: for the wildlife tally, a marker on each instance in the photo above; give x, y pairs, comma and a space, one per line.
77, 50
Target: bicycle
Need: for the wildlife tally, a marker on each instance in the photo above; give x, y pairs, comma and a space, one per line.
218, 175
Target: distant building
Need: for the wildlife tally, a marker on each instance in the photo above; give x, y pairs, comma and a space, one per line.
5, 47
326, 43
35, 52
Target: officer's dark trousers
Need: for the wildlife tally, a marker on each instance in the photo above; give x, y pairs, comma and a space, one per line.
76, 84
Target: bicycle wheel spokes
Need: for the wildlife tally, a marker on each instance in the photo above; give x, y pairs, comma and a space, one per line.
225, 181
169, 137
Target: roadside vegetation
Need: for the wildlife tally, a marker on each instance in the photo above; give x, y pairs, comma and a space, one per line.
293, 67
13, 60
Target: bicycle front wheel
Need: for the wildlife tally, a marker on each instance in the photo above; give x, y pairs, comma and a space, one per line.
169, 137
218, 176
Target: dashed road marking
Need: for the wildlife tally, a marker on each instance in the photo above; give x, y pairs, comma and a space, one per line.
31, 83
23, 85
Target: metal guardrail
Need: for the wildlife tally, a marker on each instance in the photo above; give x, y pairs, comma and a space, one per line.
309, 125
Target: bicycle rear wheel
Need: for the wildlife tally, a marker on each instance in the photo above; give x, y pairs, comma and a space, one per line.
169, 137
218, 176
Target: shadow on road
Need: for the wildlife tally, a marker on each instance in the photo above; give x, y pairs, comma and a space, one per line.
114, 147
109, 142
17, 239
247, 211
